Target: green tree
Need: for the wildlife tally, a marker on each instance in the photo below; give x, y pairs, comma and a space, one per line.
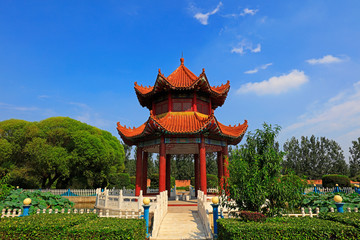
59, 152
255, 175
314, 157
354, 160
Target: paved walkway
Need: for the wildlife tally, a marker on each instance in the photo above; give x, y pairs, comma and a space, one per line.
181, 223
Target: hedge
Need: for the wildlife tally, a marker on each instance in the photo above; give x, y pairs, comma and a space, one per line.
332, 179
285, 228
71, 226
351, 218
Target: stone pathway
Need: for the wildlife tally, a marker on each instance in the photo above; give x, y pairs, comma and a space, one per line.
181, 223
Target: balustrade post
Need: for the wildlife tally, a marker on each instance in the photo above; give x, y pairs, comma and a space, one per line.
215, 205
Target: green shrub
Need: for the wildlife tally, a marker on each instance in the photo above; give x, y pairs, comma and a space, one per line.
42, 200
192, 181
212, 181
352, 218
154, 180
133, 180
119, 180
71, 226
356, 178
285, 228
332, 179
172, 181
252, 216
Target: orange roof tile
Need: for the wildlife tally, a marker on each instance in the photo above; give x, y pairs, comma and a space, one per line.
221, 89
234, 131
189, 122
182, 76
143, 90
183, 123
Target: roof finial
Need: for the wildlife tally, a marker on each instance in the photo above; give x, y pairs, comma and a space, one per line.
182, 61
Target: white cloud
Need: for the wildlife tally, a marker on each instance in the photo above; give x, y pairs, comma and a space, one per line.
338, 119
276, 85
17, 108
324, 60
248, 11
255, 70
204, 17
245, 45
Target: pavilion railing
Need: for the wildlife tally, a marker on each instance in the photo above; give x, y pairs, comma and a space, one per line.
114, 199
204, 208
330, 190
160, 210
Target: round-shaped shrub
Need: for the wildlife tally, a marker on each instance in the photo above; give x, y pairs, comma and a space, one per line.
332, 179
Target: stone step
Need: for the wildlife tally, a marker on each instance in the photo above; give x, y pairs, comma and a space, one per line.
181, 223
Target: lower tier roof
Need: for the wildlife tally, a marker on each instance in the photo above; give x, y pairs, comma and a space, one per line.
182, 123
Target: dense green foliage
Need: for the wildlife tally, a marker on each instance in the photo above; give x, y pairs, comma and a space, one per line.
325, 201
332, 179
39, 200
212, 181
354, 160
347, 218
286, 228
119, 180
71, 226
314, 157
58, 152
255, 175
5, 188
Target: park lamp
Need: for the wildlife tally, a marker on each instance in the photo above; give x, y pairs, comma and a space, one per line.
338, 198
215, 200
27, 201
146, 201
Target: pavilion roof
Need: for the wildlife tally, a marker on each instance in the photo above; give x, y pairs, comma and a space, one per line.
182, 123
182, 79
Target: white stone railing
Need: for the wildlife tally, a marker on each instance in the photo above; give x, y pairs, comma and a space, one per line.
114, 199
160, 210
204, 208
17, 212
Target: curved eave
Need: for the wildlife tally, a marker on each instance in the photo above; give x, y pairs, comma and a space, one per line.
217, 94
182, 125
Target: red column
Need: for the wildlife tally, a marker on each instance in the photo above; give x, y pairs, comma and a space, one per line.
138, 171
168, 171
144, 174
194, 107
197, 173
202, 156
226, 161
210, 107
162, 165
220, 168
169, 102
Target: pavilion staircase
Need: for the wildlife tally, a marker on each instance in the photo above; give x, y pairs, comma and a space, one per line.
182, 221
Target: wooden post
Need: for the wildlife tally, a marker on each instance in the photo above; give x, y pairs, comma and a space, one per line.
197, 173
144, 174
138, 171
168, 173
162, 165
194, 107
202, 156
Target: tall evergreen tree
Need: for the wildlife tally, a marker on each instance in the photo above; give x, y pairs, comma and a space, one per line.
355, 158
314, 157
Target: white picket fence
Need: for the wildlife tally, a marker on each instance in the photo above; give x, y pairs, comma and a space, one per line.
330, 190
67, 192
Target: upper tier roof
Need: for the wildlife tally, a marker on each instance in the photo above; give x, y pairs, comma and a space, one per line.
183, 123
182, 79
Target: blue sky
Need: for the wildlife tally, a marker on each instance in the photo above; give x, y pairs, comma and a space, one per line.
291, 63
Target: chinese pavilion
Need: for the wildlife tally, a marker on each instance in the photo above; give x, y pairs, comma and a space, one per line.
181, 121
